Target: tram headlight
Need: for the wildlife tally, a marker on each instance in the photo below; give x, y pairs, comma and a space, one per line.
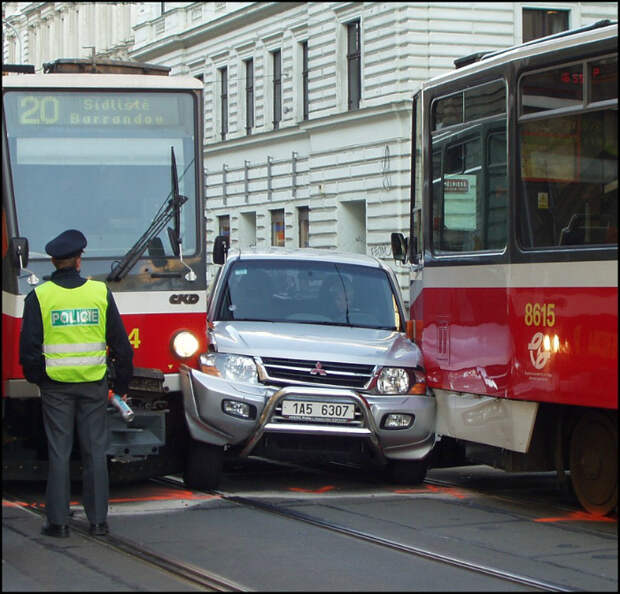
401, 380
234, 368
185, 344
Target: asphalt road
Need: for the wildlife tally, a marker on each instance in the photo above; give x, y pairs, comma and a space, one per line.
520, 524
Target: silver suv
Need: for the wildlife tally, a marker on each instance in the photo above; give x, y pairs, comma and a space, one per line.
308, 358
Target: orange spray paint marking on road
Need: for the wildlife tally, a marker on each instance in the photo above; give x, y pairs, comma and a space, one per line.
6, 503
578, 516
172, 495
433, 489
321, 490
42, 505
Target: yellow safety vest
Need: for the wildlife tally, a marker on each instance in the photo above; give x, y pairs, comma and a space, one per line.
74, 325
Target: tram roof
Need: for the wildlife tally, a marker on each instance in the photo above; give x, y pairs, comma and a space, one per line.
589, 34
100, 81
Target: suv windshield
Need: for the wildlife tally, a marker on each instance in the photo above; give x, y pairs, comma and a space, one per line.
309, 292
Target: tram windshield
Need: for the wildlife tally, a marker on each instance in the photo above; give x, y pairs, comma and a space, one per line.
569, 161
100, 162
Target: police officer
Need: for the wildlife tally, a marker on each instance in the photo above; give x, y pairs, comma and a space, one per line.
67, 324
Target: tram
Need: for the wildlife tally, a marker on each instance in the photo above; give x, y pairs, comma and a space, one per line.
113, 149
513, 257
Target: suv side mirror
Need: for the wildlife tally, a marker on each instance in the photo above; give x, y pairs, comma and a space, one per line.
220, 249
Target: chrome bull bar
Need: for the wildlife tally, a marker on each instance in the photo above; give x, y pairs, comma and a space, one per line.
264, 425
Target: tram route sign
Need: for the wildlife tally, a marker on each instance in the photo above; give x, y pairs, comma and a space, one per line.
109, 110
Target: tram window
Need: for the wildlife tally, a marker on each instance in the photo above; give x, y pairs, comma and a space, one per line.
469, 189
485, 101
455, 159
604, 78
448, 111
496, 153
476, 103
469, 199
558, 88
569, 180
552, 89
497, 191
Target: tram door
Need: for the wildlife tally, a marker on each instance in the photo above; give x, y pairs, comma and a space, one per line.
466, 340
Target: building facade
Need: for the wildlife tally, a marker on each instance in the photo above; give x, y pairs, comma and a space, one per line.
307, 104
39, 32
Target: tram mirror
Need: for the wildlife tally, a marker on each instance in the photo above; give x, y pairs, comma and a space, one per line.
399, 247
220, 249
19, 251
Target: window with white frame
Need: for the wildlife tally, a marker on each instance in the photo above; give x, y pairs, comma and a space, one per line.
303, 218
249, 95
304, 79
354, 74
277, 227
223, 80
277, 88
540, 22
224, 225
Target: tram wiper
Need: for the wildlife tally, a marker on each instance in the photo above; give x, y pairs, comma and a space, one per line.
162, 218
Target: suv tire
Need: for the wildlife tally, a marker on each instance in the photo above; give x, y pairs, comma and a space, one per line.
203, 468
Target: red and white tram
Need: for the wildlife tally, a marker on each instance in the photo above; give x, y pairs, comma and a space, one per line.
114, 150
513, 254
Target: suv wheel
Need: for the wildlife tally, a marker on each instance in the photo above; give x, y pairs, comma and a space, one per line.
204, 466
406, 472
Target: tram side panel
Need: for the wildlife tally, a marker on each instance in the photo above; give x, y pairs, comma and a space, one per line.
519, 335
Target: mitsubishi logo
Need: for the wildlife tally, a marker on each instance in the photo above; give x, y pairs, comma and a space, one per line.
318, 369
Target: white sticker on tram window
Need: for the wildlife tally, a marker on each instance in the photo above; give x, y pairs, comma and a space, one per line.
240, 271
460, 192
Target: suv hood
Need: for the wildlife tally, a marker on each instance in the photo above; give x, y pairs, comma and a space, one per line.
316, 342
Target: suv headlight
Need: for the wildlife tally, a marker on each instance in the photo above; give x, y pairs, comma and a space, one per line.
401, 380
234, 368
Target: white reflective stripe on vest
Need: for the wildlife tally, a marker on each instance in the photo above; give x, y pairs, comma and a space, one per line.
85, 347
75, 361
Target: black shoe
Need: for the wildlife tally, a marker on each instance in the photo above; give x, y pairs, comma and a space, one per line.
55, 530
98, 529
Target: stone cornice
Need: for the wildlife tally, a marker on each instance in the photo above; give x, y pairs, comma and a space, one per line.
212, 29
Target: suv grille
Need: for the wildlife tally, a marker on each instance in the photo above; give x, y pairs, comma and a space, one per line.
299, 371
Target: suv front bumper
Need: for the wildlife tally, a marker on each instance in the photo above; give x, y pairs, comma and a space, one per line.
203, 397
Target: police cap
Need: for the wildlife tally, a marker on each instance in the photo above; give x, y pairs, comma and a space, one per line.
68, 244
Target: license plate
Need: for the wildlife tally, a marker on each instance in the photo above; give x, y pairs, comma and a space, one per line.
317, 410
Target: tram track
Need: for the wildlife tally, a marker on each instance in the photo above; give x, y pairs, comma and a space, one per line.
359, 535
210, 581
526, 504
206, 580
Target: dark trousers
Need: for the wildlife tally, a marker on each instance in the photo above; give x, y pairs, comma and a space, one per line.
64, 406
